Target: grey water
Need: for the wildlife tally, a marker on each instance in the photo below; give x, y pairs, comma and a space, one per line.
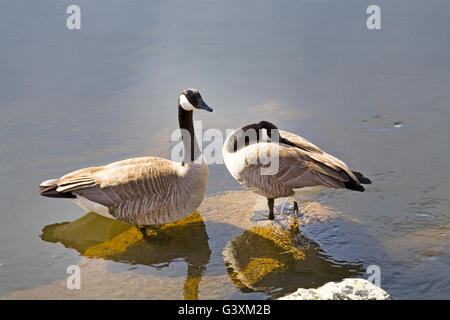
377, 99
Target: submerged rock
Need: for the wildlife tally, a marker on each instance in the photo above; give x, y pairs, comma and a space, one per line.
347, 289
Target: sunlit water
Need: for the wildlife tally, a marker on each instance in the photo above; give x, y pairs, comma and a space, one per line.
379, 100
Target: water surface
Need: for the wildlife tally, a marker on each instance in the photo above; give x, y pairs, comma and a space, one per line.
377, 99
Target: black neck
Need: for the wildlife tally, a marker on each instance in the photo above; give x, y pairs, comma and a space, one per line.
191, 149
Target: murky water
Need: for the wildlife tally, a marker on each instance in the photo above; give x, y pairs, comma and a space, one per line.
377, 99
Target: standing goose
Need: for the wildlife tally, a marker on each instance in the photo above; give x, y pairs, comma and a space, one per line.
303, 169
142, 191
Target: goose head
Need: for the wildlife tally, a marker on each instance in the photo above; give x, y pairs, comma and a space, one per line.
251, 134
262, 125
190, 99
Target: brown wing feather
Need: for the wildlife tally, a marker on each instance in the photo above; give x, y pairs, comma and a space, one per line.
299, 141
322, 159
120, 181
297, 169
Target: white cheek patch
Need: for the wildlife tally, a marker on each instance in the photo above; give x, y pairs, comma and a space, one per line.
185, 104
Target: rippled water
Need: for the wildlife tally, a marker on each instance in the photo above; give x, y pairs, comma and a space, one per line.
377, 99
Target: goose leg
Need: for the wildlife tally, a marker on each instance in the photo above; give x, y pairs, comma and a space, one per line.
143, 230
295, 208
270, 204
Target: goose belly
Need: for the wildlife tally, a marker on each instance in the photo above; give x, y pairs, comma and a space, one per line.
306, 193
157, 209
91, 206
165, 205
252, 179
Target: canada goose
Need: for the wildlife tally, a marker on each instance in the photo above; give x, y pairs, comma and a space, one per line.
303, 169
147, 190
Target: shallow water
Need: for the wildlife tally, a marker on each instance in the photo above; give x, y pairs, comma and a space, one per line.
379, 100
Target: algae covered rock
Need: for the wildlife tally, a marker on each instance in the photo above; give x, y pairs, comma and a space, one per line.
276, 260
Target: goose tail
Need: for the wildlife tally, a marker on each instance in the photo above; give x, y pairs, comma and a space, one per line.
48, 189
362, 179
357, 185
351, 185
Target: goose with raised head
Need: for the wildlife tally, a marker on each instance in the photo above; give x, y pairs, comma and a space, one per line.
300, 169
147, 190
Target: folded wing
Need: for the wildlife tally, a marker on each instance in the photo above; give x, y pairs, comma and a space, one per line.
121, 181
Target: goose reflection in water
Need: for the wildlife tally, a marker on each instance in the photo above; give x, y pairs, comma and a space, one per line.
278, 260
95, 236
